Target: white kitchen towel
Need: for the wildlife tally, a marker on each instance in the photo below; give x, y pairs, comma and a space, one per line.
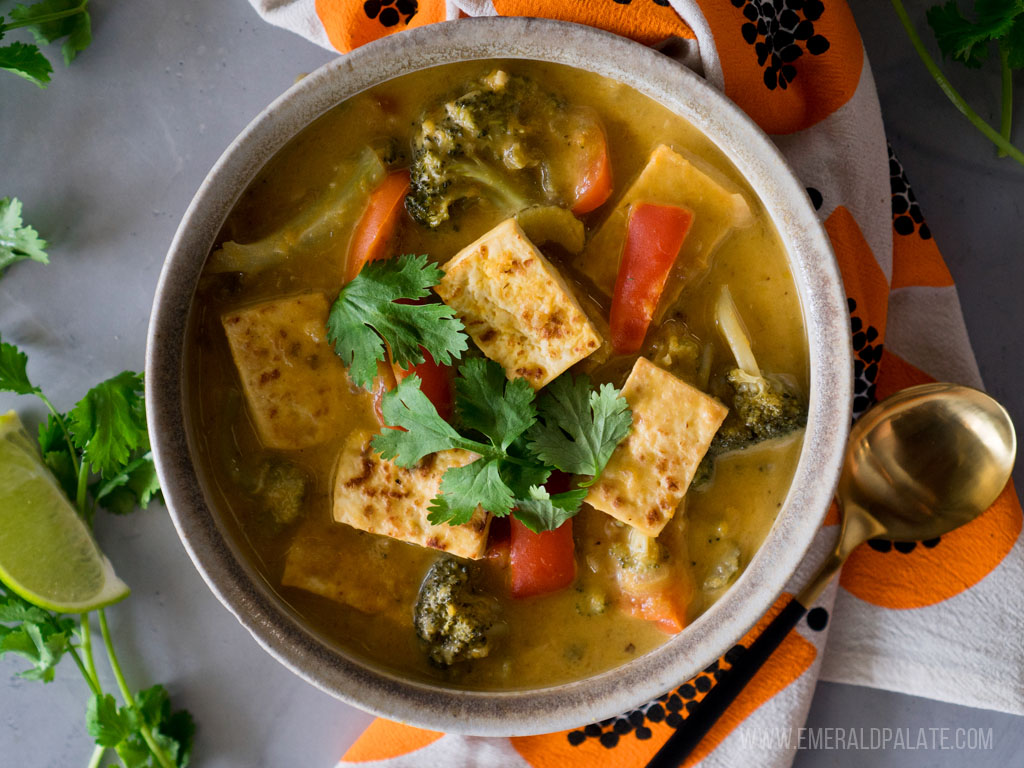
900, 612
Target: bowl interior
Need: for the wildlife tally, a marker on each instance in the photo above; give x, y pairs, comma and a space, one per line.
253, 601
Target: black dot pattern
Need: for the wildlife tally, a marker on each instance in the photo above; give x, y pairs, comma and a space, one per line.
671, 708
816, 198
906, 213
781, 31
390, 13
817, 618
868, 354
902, 547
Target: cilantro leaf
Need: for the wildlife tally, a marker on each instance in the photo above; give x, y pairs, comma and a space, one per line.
26, 61
491, 404
18, 241
540, 511
579, 427
521, 475
422, 430
134, 486
14, 371
154, 705
966, 41
37, 635
109, 423
106, 723
176, 734
51, 20
18, 610
173, 731
465, 488
56, 452
365, 316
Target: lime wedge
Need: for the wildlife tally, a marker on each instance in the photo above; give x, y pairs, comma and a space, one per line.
47, 553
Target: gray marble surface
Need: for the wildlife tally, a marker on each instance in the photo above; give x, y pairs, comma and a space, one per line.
106, 161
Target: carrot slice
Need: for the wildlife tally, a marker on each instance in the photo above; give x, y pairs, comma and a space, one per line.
377, 224
594, 185
654, 237
666, 608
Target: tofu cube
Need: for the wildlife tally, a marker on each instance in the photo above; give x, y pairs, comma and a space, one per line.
332, 561
293, 382
667, 179
650, 471
377, 496
517, 307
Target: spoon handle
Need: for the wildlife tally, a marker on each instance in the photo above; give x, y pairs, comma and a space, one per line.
729, 685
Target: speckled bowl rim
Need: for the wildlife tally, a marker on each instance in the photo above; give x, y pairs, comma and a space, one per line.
276, 626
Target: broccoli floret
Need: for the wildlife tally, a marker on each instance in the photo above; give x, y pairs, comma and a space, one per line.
281, 490
765, 408
455, 623
640, 560
761, 410
479, 146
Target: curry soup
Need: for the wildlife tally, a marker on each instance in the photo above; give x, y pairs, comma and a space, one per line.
361, 589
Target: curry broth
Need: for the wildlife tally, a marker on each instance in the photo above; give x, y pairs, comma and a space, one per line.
551, 639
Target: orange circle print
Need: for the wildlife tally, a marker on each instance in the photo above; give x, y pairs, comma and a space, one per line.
352, 24
788, 65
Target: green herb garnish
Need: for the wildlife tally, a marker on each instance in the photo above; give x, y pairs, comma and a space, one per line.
998, 22
517, 453
18, 241
366, 315
48, 21
579, 426
99, 454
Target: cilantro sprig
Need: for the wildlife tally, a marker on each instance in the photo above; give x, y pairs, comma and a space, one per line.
998, 23
516, 452
518, 437
99, 453
18, 241
48, 21
368, 318
579, 426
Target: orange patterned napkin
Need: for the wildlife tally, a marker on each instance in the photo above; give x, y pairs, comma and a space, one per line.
898, 613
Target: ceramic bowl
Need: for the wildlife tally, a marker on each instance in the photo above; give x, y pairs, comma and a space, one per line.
279, 629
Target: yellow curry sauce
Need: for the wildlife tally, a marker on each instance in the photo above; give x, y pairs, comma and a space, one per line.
553, 638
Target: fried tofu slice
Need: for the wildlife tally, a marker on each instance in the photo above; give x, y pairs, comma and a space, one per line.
667, 179
650, 471
377, 496
517, 307
293, 382
332, 561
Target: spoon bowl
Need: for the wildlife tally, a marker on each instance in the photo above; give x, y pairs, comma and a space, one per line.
928, 459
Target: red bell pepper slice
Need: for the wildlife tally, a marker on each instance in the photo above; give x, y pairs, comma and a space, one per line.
541, 562
654, 237
544, 562
435, 382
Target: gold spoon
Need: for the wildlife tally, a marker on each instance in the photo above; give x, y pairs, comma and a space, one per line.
918, 465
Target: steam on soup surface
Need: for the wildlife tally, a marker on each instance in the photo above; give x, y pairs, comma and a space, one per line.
583, 229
